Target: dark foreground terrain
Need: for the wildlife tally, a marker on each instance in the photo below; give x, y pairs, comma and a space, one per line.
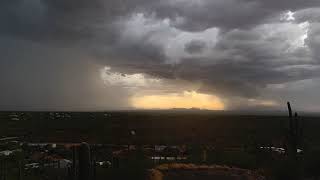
126, 144
153, 127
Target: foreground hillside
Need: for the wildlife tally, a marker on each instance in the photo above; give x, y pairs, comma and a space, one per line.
153, 127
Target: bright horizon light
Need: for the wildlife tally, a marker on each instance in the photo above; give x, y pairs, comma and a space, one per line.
187, 99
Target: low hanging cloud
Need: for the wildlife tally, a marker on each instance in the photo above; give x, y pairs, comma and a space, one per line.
242, 51
195, 46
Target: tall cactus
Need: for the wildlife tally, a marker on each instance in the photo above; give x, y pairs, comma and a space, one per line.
20, 170
84, 162
93, 165
73, 171
3, 167
82, 165
294, 134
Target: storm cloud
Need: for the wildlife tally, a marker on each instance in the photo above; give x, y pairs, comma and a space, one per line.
53, 52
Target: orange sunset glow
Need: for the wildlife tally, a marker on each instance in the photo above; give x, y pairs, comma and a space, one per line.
184, 100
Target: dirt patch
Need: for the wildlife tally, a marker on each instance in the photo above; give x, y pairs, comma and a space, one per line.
201, 172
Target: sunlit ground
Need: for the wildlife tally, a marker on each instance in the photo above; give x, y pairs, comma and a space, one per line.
182, 100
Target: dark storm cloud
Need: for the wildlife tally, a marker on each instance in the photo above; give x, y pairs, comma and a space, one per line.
309, 14
73, 19
195, 47
51, 20
227, 14
45, 45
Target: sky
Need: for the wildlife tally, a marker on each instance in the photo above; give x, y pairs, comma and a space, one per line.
150, 54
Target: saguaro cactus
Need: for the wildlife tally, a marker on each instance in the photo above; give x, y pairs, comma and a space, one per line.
3, 169
20, 170
73, 170
84, 162
294, 134
93, 165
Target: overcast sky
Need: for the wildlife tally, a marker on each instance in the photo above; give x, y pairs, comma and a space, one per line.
123, 54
